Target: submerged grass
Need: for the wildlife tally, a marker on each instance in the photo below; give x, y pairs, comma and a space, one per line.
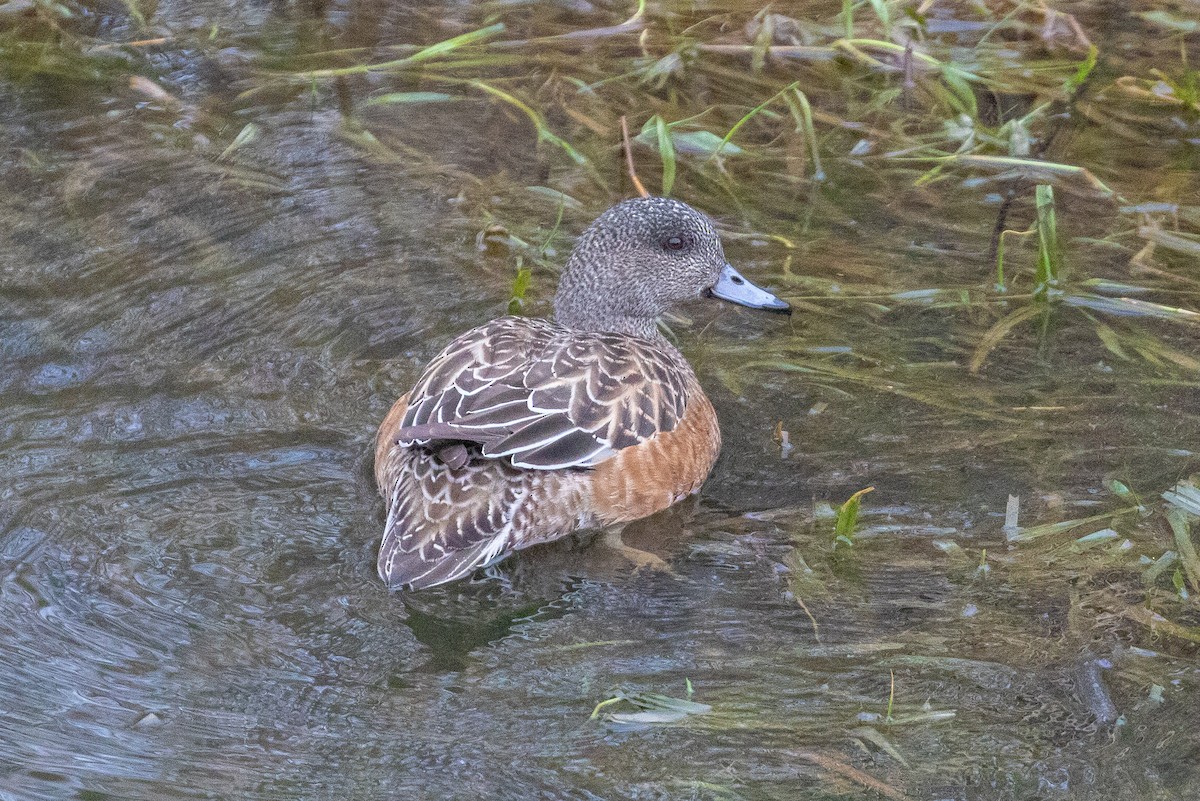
414, 61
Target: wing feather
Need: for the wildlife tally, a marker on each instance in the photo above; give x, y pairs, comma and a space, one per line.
547, 397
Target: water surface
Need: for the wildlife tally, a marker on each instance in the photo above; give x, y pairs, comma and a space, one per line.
199, 335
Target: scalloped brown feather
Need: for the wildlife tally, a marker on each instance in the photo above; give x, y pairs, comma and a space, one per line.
547, 396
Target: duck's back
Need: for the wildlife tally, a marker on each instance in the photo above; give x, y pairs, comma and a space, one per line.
522, 430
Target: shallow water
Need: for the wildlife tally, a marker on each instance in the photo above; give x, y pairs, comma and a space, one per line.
199, 337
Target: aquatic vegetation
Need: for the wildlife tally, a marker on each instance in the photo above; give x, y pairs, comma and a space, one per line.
985, 214
649, 708
847, 519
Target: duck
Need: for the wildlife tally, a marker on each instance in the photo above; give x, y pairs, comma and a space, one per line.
524, 430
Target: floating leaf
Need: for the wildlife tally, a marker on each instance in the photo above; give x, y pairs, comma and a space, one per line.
652, 708
558, 198
245, 136
1119, 488
1150, 207
1186, 496
1159, 624
920, 294
1159, 566
1170, 240
703, 143
1131, 307
692, 143
1046, 530
1114, 287
1166, 19
647, 716
877, 738
1103, 535
658, 73
1031, 168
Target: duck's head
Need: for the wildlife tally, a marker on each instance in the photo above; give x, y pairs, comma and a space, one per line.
642, 257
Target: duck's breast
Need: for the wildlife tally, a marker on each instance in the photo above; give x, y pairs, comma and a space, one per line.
647, 478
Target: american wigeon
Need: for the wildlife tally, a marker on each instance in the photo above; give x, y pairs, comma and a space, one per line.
523, 430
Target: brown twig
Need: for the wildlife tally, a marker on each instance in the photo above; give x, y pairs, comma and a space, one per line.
139, 43
637, 183
840, 768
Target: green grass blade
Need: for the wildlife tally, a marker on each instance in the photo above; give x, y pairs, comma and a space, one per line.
453, 43
881, 10
401, 98
1112, 341
798, 104
1181, 527
750, 115
520, 287
1049, 265
1085, 69
425, 54
666, 151
543, 131
847, 518
997, 332
960, 84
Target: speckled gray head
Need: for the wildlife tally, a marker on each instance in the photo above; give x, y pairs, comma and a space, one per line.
641, 257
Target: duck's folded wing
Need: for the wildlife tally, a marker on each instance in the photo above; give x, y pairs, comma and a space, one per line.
545, 397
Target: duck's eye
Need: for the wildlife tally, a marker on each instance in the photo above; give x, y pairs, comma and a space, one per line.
674, 243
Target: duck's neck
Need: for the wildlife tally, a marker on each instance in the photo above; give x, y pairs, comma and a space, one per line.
582, 318
593, 295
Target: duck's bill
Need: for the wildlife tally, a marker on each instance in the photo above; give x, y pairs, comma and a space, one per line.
733, 287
